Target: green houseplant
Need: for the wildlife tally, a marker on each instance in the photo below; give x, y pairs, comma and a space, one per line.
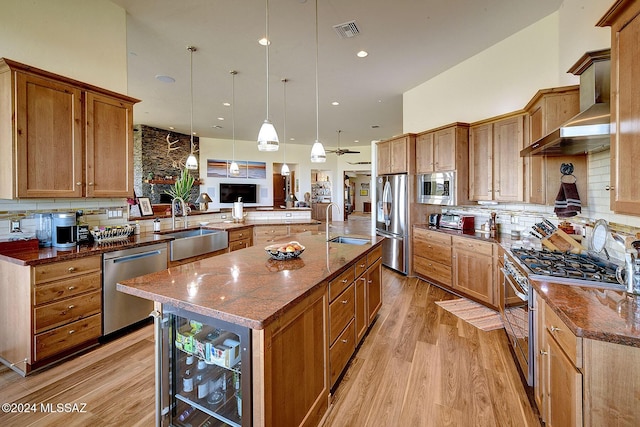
182, 187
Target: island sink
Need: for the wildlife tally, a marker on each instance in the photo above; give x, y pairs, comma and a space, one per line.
199, 241
350, 240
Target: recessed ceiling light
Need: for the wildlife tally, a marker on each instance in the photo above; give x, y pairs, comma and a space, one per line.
335, 103
362, 54
356, 140
263, 41
220, 118
292, 139
165, 79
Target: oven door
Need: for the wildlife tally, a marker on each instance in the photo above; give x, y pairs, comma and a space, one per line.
517, 322
436, 188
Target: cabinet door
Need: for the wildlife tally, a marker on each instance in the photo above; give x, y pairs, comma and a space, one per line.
481, 162
473, 275
508, 173
374, 289
625, 143
398, 152
535, 164
565, 388
424, 153
383, 159
444, 149
540, 357
109, 141
49, 138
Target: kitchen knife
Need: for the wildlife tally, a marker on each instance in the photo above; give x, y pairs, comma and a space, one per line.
539, 230
550, 224
536, 234
547, 230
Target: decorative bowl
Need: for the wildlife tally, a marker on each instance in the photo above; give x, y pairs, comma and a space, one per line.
284, 251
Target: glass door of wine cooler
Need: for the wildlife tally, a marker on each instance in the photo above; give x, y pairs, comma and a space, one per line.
205, 371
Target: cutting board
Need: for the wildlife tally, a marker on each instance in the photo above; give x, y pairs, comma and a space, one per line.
562, 242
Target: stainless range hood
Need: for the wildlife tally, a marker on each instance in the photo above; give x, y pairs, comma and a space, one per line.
589, 131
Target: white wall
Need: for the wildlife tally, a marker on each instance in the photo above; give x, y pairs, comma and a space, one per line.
84, 40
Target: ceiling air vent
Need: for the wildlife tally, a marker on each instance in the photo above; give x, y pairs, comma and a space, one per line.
347, 30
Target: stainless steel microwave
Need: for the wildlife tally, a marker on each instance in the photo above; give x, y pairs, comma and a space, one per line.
437, 188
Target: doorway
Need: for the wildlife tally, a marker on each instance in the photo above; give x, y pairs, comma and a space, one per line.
282, 187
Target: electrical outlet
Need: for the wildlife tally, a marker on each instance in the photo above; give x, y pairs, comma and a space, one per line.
288, 214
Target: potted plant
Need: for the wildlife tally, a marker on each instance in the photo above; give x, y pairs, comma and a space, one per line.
182, 187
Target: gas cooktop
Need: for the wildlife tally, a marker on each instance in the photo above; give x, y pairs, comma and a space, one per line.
565, 265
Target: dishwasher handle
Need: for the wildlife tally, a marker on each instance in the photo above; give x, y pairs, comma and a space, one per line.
134, 257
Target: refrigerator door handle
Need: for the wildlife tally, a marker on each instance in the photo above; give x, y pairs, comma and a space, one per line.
387, 203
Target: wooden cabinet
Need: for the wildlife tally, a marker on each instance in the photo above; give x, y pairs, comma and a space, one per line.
267, 234
624, 20
425, 160
240, 238
432, 255
61, 137
473, 269
547, 110
496, 170
319, 211
54, 310
396, 155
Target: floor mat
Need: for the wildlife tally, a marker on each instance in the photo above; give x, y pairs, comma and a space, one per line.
471, 312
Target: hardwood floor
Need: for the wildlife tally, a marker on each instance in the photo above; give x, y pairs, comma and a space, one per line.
418, 366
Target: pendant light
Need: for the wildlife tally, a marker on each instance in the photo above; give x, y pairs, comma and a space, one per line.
192, 160
318, 154
285, 169
267, 137
233, 169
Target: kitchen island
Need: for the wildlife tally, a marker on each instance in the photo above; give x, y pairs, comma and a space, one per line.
304, 316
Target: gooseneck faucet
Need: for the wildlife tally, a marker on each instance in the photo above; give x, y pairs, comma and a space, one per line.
173, 212
327, 217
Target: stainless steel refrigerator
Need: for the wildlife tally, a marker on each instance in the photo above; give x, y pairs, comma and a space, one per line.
392, 213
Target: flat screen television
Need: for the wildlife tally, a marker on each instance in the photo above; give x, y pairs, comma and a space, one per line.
229, 193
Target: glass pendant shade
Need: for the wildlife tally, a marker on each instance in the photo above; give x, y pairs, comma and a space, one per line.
268, 137
285, 170
192, 162
234, 169
318, 154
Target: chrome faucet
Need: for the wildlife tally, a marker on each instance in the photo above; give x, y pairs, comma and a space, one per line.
173, 212
327, 216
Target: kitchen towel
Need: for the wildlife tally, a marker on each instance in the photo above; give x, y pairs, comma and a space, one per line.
567, 201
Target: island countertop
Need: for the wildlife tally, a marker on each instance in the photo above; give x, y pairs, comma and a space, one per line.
247, 287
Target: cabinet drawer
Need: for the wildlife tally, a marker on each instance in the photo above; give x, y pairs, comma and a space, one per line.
54, 291
65, 311
66, 337
432, 270
568, 342
340, 283
361, 266
431, 236
270, 234
374, 255
341, 351
433, 251
239, 244
65, 269
472, 245
302, 228
241, 234
341, 312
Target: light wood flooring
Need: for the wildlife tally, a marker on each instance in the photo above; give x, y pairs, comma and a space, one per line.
418, 366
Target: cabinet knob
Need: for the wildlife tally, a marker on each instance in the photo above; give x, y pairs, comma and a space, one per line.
345, 341
543, 353
555, 329
71, 269
363, 265
370, 281
344, 280
72, 331
91, 184
344, 301
609, 188
78, 183
71, 306
71, 288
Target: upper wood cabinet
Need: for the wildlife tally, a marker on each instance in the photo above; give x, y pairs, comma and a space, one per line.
548, 110
496, 170
396, 155
442, 149
624, 20
61, 137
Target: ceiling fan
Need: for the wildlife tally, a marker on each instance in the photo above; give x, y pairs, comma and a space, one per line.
340, 151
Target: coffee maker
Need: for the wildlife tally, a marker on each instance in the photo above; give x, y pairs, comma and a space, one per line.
64, 230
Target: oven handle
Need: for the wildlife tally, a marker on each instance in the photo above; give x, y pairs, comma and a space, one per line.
519, 294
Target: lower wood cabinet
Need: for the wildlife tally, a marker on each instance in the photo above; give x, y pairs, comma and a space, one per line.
268, 234
240, 238
432, 255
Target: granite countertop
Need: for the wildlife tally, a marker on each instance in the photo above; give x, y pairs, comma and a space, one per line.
595, 313
500, 238
247, 287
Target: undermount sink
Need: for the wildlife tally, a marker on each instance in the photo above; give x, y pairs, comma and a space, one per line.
199, 241
350, 240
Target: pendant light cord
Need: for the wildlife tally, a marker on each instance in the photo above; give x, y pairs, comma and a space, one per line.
284, 119
191, 50
317, 100
268, 43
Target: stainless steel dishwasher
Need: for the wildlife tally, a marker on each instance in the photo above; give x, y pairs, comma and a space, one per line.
120, 310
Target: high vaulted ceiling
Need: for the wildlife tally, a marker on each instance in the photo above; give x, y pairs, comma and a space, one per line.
408, 41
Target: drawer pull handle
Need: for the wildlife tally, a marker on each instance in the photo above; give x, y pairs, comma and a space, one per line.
72, 331
362, 265
71, 306
543, 353
345, 301
240, 234
345, 341
78, 183
555, 329
370, 281
91, 184
71, 288
71, 269
344, 280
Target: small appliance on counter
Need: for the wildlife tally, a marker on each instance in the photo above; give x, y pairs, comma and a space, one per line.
64, 229
83, 235
457, 222
43, 229
434, 220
